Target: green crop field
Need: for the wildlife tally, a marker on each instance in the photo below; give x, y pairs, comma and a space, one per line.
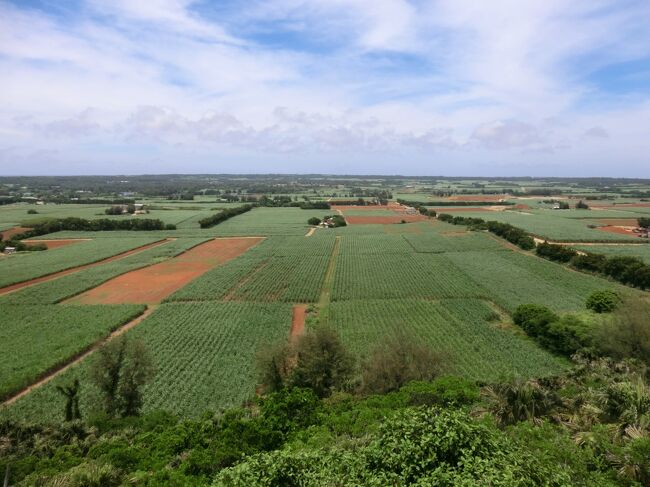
289, 269
204, 354
464, 331
23, 266
551, 225
54, 291
36, 338
640, 251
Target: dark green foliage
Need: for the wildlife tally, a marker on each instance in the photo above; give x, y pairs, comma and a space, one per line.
447, 390
581, 205
558, 253
318, 361
322, 362
398, 360
313, 221
71, 393
120, 370
32, 211
82, 225
533, 318
224, 215
562, 335
644, 222
628, 333
453, 203
589, 262
603, 301
511, 233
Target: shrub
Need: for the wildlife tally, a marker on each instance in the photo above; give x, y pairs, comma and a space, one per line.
533, 318
318, 361
447, 390
32, 212
313, 221
627, 334
603, 301
398, 360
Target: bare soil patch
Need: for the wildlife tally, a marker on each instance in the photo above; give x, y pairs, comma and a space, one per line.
621, 222
616, 230
150, 285
55, 275
55, 244
7, 234
345, 208
298, 320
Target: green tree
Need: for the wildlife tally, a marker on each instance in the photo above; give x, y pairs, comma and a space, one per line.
71, 393
603, 301
313, 221
119, 371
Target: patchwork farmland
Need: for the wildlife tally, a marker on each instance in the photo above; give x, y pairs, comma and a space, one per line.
206, 301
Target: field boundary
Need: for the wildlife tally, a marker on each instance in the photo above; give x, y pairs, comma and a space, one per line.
58, 369
230, 296
55, 275
298, 321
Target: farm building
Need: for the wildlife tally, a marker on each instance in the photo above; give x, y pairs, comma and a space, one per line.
10, 250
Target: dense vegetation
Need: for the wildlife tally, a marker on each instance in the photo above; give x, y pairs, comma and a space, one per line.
224, 215
98, 225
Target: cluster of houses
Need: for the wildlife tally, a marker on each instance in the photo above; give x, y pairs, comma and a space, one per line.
327, 223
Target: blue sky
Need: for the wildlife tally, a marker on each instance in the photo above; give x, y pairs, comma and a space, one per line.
439, 87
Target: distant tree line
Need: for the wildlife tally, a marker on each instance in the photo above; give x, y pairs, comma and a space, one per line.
103, 224
453, 203
60, 199
509, 232
224, 215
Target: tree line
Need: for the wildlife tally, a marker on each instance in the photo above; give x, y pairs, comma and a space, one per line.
102, 224
224, 215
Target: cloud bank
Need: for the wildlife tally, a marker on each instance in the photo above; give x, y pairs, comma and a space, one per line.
356, 86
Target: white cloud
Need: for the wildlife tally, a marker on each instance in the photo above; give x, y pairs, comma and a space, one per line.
380, 78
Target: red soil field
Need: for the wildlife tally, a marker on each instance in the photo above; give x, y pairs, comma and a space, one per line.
617, 230
298, 320
55, 244
383, 220
7, 234
152, 284
621, 222
55, 275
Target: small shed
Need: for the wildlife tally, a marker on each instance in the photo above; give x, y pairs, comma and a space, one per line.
10, 250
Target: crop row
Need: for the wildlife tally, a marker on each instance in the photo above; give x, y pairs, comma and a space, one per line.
21, 267
552, 225
279, 269
400, 276
511, 279
57, 290
204, 356
37, 338
459, 330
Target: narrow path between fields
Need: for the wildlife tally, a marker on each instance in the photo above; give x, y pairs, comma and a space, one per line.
298, 321
310, 232
56, 275
328, 282
74, 360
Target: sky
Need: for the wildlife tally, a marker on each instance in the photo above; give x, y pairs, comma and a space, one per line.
438, 87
